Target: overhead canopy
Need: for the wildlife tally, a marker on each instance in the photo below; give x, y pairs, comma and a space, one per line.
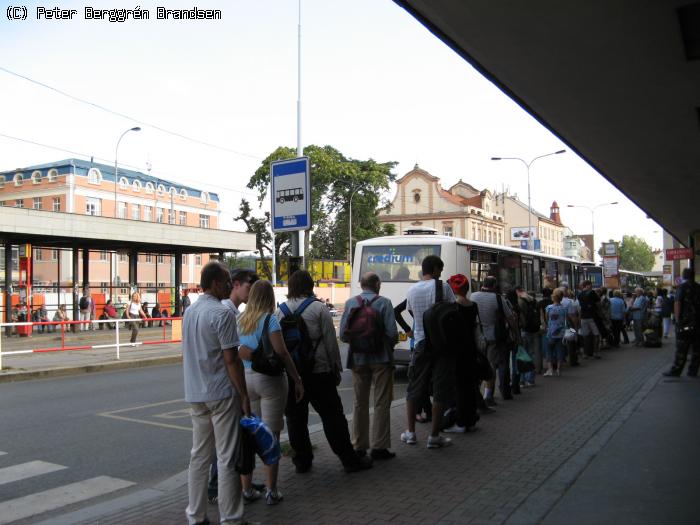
44, 228
618, 81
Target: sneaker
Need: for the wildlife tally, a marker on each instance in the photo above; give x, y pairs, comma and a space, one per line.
455, 429
438, 442
273, 497
548, 373
529, 384
409, 437
557, 372
249, 496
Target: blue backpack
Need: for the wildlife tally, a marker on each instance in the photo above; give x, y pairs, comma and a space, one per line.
296, 337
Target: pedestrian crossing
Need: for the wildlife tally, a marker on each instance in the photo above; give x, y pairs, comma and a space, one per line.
54, 498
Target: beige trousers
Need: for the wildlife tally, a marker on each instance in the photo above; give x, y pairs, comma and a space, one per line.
382, 375
215, 428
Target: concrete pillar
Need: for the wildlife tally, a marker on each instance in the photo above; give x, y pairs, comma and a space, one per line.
178, 284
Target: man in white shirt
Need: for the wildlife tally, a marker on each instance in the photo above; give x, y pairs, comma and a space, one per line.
427, 368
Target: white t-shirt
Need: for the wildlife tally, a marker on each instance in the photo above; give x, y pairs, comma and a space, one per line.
419, 298
134, 309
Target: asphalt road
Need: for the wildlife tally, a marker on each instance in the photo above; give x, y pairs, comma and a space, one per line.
130, 425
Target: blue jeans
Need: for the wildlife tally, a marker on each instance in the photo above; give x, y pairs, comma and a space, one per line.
556, 351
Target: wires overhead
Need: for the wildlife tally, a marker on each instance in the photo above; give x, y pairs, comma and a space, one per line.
129, 117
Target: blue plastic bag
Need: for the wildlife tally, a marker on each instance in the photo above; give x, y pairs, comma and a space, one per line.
266, 444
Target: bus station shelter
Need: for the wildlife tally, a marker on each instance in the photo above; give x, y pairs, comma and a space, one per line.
122, 240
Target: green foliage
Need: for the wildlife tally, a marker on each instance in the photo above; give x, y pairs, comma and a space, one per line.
635, 254
335, 180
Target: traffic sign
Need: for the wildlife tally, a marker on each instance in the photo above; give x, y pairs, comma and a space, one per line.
291, 195
675, 254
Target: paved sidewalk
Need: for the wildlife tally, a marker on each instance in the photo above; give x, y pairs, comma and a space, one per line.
540, 442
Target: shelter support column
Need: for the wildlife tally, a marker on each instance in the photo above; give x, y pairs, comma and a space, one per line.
133, 270
178, 284
75, 277
7, 302
86, 267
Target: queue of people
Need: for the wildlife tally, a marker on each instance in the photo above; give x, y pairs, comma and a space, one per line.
277, 360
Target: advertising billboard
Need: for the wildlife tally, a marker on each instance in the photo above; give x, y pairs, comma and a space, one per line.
519, 233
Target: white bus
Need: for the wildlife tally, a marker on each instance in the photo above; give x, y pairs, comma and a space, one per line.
397, 261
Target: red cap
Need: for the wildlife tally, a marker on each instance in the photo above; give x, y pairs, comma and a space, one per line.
458, 282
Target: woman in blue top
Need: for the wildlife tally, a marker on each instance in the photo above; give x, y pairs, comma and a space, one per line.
268, 394
555, 326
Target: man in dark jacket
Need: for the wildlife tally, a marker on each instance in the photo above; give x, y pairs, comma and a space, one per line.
687, 313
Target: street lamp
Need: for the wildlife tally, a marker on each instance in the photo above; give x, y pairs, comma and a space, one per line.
592, 210
529, 207
116, 166
350, 227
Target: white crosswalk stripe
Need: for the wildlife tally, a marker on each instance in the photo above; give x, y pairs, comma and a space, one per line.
27, 470
52, 499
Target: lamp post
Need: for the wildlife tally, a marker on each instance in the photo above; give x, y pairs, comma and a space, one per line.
116, 166
529, 207
350, 227
592, 210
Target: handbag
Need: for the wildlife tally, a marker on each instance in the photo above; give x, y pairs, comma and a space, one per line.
245, 452
484, 371
265, 360
523, 360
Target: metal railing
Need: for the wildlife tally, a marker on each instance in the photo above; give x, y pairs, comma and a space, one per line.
27, 328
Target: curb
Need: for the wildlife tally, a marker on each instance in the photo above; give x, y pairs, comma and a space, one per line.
11, 377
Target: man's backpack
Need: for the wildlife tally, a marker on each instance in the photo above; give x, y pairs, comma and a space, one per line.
296, 337
531, 315
364, 331
84, 303
443, 325
690, 307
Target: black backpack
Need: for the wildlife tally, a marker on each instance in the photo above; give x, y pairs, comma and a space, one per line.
690, 306
443, 325
531, 315
84, 303
364, 330
296, 337
264, 359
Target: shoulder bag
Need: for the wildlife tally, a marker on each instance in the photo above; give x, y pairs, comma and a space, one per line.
265, 360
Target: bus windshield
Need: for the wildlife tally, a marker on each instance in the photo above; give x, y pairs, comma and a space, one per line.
398, 263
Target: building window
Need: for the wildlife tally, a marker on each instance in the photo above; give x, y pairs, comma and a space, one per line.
149, 258
18, 179
93, 207
54, 255
52, 175
136, 186
489, 235
198, 260
150, 188
161, 189
161, 259
136, 212
500, 240
184, 258
159, 215
19, 203
121, 210
203, 221
147, 213
38, 255
183, 218
204, 198
103, 256
2, 181
57, 204
2, 204
123, 183
173, 192
171, 216
183, 194
36, 177
416, 197
36, 203
94, 176
447, 230
123, 257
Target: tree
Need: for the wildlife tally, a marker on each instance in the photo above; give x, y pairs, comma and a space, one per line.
335, 179
635, 254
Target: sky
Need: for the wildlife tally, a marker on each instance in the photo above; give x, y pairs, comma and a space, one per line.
375, 84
